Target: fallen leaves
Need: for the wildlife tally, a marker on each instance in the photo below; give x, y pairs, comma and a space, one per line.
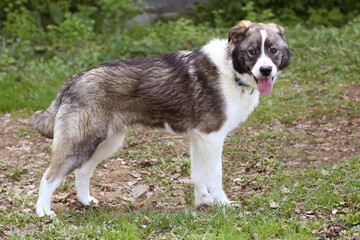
177, 169
331, 231
322, 141
274, 205
139, 190
284, 190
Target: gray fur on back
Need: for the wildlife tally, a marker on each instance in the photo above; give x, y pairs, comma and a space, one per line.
179, 88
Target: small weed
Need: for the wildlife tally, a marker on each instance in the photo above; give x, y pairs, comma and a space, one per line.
17, 174
27, 132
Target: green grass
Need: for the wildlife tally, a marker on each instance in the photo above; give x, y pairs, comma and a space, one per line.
280, 200
310, 199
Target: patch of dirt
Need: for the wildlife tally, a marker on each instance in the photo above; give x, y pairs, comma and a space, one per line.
351, 93
302, 144
322, 143
325, 138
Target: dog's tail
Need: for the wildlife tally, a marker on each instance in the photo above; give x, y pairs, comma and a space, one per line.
44, 121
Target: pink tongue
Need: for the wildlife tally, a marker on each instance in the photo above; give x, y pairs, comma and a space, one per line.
265, 86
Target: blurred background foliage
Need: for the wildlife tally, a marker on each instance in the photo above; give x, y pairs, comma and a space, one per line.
307, 12
63, 23
43, 41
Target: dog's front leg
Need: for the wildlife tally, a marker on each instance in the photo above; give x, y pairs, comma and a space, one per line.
206, 168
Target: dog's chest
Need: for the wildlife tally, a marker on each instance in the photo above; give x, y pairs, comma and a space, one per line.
239, 104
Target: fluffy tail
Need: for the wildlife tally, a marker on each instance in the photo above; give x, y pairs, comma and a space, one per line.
44, 121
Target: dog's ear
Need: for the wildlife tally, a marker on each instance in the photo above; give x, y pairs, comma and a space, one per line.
239, 30
279, 28
282, 31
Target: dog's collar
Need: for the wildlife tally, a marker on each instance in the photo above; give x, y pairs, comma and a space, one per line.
240, 82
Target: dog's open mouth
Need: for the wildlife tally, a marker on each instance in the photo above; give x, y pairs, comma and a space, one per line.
265, 85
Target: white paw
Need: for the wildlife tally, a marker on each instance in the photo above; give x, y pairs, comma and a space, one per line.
220, 198
211, 198
87, 201
222, 202
204, 199
49, 213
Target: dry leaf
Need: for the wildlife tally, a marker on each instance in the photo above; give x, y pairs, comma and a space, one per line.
184, 180
324, 172
177, 169
284, 190
274, 205
139, 190
238, 179
128, 199
182, 201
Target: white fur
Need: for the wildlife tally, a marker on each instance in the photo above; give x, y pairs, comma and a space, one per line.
216, 50
169, 129
206, 169
45, 193
206, 149
263, 60
84, 173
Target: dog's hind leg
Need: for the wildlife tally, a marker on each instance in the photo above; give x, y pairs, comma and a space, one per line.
47, 188
60, 166
76, 138
84, 173
206, 168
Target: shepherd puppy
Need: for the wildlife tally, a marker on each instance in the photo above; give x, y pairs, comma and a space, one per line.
203, 94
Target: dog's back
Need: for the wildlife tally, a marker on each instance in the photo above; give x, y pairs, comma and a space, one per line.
179, 90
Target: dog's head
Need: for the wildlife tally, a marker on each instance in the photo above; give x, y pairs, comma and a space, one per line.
259, 53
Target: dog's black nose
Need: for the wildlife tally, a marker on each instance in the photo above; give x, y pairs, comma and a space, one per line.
265, 70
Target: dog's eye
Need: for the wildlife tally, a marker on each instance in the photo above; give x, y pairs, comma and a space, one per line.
252, 52
273, 50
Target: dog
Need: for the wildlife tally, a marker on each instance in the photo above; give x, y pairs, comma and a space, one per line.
203, 94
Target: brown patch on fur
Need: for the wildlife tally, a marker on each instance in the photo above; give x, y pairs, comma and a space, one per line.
243, 24
240, 29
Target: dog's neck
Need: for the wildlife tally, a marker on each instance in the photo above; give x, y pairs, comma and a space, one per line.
240, 82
